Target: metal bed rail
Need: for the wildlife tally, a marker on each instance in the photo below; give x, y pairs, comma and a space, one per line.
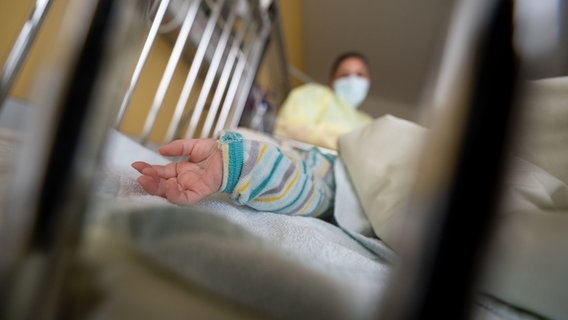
45, 206
21, 47
227, 39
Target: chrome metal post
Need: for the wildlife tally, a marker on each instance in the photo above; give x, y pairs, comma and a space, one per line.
225, 76
142, 59
170, 68
242, 62
211, 74
250, 75
451, 213
194, 69
49, 195
22, 47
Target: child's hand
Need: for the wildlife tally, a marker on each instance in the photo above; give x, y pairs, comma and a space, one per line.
188, 181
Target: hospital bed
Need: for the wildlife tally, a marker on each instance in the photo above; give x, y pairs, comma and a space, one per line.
80, 239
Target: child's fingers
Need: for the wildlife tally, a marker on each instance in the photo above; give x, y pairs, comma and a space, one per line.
152, 185
196, 150
163, 171
178, 148
140, 165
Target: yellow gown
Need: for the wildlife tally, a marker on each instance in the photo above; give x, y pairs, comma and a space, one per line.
312, 113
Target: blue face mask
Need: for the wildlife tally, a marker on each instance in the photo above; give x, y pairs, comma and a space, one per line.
351, 89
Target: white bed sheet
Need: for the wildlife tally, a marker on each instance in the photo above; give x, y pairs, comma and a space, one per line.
257, 258
284, 267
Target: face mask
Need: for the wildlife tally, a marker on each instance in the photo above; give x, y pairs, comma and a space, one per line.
351, 89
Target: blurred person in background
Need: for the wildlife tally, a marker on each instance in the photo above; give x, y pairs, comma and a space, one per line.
318, 114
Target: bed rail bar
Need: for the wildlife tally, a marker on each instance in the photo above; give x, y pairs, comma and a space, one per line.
21, 47
453, 209
226, 40
46, 206
142, 59
192, 74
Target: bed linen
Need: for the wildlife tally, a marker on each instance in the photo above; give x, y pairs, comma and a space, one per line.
281, 266
260, 259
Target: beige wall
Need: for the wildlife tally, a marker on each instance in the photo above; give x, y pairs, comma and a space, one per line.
13, 14
291, 12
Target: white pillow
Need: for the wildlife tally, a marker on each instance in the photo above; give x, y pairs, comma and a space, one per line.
380, 159
543, 138
528, 258
530, 188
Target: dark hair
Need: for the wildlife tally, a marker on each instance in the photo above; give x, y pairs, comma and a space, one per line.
345, 56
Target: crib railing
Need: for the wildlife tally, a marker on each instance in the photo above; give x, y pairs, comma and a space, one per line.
222, 43
21, 47
43, 210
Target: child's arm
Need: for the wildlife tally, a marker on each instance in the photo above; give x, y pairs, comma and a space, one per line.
264, 177
255, 174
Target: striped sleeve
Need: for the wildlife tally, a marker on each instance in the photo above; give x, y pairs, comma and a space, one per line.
262, 176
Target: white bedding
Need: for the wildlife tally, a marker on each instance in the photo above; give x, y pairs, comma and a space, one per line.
257, 258
284, 267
